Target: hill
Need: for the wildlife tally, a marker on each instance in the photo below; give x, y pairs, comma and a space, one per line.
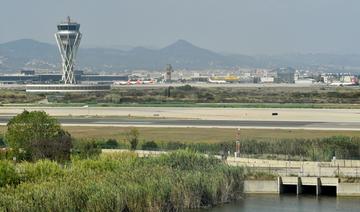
27, 53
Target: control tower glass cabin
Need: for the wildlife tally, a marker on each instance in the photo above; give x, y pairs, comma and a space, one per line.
68, 38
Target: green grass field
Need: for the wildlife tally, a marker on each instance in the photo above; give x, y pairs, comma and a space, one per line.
198, 135
207, 135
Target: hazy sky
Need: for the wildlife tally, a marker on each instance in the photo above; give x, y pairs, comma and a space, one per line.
236, 26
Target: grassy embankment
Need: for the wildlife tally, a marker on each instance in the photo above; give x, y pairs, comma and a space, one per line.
16, 96
259, 143
119, 182
191, 95
263, 143
187, 96
198, 135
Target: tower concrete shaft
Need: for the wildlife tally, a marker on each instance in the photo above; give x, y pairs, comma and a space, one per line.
68, 38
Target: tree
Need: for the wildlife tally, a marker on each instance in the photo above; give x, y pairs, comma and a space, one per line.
132, 136
36, 135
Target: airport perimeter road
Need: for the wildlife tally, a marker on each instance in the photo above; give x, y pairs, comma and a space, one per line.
148, 122
236, 114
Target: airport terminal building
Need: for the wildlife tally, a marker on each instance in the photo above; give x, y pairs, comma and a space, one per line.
30, 77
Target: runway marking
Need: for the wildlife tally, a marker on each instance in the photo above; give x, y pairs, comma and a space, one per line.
122, 122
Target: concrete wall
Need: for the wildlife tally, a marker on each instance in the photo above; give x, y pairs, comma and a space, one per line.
261, 187
289, 180
348, 189
350, 168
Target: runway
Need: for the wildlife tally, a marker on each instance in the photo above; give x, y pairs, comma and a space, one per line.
151, 122
198, 113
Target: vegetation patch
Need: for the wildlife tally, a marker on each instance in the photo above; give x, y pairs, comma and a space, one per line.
318, 149
120, 182
190, 96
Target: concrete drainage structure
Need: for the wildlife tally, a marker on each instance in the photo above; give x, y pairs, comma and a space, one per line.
308, 185
317, 186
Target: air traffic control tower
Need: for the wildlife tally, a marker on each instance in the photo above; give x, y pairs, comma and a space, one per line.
68, 39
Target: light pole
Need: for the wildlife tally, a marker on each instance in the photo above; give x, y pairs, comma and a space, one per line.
237, 153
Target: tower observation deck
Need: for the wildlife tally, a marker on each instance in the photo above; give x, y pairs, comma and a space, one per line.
68, 38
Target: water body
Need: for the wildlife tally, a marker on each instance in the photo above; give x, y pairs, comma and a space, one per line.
289, 203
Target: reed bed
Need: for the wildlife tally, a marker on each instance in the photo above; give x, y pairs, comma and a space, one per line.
120, 182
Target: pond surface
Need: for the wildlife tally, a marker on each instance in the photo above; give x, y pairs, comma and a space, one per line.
289, 203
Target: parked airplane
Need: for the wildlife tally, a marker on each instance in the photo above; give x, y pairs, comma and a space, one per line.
343, 84
216, 81
148, 82
120, 83
134, 82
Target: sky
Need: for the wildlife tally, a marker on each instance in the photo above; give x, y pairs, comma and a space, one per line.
228, 26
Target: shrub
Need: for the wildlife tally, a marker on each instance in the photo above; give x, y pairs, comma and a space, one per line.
189, 160
6, 154
2, 142
110, 144
40, 171
149, 145
8, 175
86, 149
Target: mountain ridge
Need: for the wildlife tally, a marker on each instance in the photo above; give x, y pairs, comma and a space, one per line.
29, 53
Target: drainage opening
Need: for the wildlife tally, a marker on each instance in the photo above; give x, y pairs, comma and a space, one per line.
308, 189
328, 191
289, 189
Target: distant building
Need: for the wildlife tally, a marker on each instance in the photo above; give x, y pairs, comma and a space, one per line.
267, 79
27, 72
285, 75
349, 79
197, 77
305, 81
56, 78
168, 71
261, 73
